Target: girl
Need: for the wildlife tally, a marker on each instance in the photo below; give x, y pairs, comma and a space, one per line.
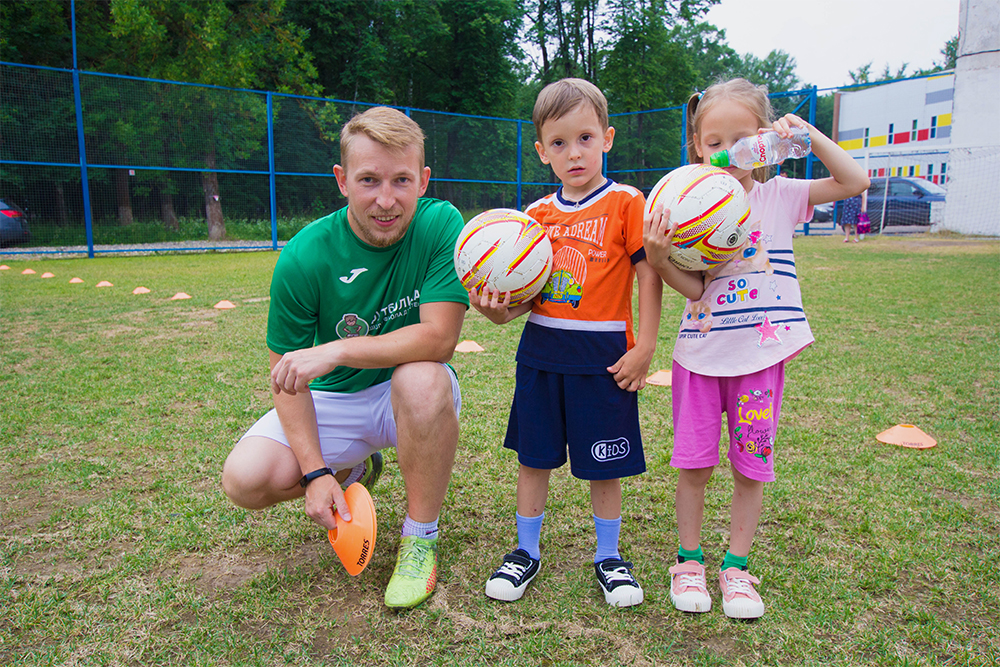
737, 366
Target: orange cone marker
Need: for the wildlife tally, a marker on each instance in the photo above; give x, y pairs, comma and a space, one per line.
354, 540
4, 267
468, 346
224, 305
104, 283
140, 290
180, 295
48, 275
76, 280
27, 272
906, 435
659, 378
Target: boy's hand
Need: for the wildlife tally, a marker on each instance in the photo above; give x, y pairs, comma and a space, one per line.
489, 303
630, 371
658, 236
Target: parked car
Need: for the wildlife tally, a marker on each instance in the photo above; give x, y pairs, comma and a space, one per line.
823, 212
13, 224
908, 201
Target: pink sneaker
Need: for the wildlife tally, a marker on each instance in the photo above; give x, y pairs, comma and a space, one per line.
739, 597
688, 590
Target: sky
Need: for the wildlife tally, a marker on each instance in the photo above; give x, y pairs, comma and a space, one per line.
829, 38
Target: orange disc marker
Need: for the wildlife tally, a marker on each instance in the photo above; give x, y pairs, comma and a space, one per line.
468, 346
27, 272
659, 378
180, 295
4, 267
104, 283
48, 275
354, 540
906, 435
224, 305
76, 280
140, 290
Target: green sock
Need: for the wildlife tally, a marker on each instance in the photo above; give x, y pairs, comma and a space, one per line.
739, 562
697, 554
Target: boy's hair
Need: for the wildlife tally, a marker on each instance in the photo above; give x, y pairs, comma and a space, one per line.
559, 98
389, 127
741, 91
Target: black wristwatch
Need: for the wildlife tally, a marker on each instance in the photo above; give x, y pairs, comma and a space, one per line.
310, 476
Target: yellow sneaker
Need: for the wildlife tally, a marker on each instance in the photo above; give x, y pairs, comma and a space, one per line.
415, 575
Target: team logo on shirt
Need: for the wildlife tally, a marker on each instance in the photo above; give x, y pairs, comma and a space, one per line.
351, 326
610, 450
347, 280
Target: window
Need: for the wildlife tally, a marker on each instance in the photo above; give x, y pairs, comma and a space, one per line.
891, 126
866, 137
930, 170
913, 133
933, 126
911, 170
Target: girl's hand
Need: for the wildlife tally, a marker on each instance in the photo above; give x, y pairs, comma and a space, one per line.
783, 126
490, 304
658, 236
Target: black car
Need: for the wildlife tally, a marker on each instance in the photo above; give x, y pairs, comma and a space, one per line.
13, 224
907, 202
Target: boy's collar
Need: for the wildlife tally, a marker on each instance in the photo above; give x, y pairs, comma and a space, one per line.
587, 199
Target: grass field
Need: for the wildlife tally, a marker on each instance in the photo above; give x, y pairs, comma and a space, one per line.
119, 547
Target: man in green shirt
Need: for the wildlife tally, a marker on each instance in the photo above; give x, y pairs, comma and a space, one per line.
365, 311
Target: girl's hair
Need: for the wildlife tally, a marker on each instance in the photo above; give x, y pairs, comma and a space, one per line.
740, 91
559, 98
389, 127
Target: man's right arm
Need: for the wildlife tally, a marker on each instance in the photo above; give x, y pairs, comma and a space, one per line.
298, 419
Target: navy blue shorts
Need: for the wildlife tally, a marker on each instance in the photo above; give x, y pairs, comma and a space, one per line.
590, 413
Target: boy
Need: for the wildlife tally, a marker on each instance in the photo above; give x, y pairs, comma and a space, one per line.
578, 365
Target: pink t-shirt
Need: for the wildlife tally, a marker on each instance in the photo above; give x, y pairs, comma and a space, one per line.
750, 316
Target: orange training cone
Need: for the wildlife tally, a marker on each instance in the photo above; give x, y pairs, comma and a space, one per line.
224, 305
140, 290
659, 378
48, 275
27, 272
906, 435
180, 295
4, 267
76, 280
354, 540
104, 283
468, 346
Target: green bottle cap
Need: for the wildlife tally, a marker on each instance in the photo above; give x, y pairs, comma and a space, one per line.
720, 159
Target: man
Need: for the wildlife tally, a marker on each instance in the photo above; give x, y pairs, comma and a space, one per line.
365, 310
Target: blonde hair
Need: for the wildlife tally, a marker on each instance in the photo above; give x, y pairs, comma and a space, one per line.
389, 127
559, 98
740, 91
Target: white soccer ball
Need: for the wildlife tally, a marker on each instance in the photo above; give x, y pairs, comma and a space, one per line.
711, 210
506, 250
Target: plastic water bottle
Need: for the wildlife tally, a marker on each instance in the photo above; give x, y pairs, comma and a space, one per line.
764, 149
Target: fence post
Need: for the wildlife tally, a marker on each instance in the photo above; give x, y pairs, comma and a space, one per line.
270, 172
80, 142
520, 161
813, 98
684, 133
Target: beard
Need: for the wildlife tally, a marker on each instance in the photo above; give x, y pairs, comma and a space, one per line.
373, 236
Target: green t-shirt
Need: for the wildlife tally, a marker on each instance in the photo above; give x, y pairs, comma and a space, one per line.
329, 284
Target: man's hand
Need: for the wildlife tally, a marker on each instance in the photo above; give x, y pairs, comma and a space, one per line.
323, 495
295, 370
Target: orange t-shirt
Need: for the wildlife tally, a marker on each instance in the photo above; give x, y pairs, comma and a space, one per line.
582, 320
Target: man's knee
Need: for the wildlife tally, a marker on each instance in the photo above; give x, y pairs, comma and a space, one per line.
422, 385
256, 473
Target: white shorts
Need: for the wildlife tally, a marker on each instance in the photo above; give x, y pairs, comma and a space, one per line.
351, 426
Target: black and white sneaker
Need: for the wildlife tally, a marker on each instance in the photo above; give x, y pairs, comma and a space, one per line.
512, 578
619, 586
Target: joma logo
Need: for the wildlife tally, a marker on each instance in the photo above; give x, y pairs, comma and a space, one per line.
610, 450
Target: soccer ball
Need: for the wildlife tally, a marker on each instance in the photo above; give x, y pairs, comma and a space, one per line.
710, 208
505, 250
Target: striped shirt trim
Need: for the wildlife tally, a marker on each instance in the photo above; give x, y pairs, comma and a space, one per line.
576, 325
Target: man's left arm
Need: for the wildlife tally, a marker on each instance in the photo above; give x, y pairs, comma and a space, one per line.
432, 339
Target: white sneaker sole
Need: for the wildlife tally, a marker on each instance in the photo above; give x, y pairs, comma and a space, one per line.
623, 596
743, 609
503, 590
691, 603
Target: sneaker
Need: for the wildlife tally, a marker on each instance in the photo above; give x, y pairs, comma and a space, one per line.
739, 597
373, 469
511, 579
619, 586
688, 590
413, 580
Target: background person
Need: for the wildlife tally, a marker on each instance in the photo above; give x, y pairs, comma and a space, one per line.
365, 310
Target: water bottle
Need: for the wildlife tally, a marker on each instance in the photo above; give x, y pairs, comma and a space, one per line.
764, 149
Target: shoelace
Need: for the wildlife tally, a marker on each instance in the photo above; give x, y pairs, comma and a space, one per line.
739, 586
620, 573
411, 559
691, 580
513, 569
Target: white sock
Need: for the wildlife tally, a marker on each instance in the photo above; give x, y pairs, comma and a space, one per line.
415, 528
